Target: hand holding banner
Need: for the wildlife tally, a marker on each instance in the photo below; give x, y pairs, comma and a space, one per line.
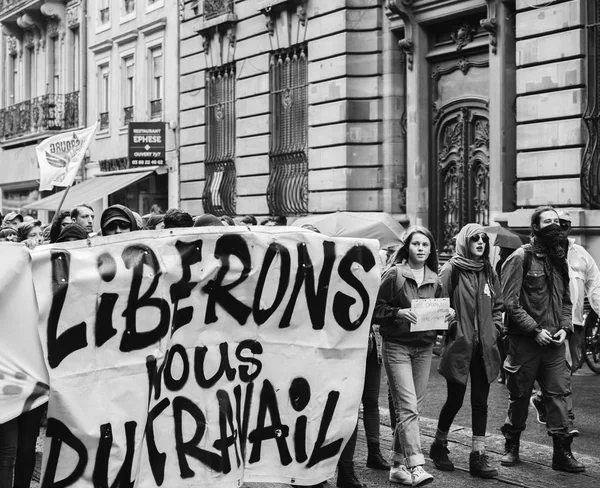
431, 314
59, 157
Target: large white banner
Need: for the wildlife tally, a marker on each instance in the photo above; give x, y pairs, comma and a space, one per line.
195, 358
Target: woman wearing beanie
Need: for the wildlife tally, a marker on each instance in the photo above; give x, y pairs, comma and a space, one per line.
470, 350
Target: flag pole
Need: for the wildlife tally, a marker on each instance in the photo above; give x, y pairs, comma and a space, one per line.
60, 204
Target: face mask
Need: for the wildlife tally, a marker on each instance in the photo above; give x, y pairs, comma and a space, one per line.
552, 235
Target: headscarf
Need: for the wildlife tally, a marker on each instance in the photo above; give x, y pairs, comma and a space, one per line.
463, 258
117, 212
72, 232
24, 228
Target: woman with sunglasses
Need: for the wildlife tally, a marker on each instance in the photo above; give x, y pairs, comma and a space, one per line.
470, 350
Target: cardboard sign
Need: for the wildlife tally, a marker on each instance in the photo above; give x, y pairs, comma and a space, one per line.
431, 314
195, 358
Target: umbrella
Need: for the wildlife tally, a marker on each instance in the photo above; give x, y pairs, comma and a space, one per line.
369, 225
505, 237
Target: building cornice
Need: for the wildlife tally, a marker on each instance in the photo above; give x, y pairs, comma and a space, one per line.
101, 46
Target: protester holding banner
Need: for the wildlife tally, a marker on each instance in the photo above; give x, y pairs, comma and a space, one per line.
30, 233
117, 219
407, 355
72, 232
470, 350
59, 224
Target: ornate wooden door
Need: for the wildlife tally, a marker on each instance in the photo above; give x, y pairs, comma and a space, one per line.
462, 184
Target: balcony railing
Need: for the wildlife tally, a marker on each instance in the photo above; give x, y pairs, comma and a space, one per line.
41, 114
127, 115
156, 108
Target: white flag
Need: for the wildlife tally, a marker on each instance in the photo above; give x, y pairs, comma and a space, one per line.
59, 157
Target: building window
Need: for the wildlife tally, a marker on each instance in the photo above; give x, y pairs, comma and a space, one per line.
103, 12
220, 185
156, 81
128, 7
590, 168
104, 95
54, 55
30, 74
76, 61
287, 192
13, 79
128, 88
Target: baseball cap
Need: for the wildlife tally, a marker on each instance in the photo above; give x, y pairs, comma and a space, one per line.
12, 216
564, 215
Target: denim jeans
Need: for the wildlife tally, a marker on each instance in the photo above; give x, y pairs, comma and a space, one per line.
407, 368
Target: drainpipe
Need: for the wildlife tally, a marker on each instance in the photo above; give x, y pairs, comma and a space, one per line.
83, 54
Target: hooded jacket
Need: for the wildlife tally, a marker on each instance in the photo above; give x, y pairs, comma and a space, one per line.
390, 298
477, 300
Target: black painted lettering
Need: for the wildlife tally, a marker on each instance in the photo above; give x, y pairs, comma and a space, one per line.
74, 338
154, 376
227, 246
274, 249
156, 458
243, 414
320, 451
190, 254
255, 348
224, 366
316, 299
135, 257
225, 441
190, 448
172, 383
277, 430
104, 329
100, 474
342, 302
60, 433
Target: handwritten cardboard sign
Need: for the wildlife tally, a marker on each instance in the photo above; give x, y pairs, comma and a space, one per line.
431, 314
197, 358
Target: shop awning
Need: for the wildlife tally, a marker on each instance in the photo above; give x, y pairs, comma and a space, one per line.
89, 191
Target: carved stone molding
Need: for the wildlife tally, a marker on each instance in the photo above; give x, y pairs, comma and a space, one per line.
13, 45
403, 10
463, 35
73, 14
463, 65
224, 25
490, 24
272, 8
53, 9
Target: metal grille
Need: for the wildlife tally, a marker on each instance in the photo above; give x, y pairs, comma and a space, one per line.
220, 187
590, 168
287, 192
37, 115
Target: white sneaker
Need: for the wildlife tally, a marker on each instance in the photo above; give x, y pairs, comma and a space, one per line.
400, 475
420, 477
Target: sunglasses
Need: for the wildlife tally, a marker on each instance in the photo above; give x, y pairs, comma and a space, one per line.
565, 224
483, 237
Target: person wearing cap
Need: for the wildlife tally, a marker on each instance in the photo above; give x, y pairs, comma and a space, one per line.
12, 219
537, 300
584, 280
117, 219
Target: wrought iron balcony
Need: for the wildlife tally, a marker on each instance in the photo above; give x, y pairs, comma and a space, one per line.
39, 115
215, 8
156, 108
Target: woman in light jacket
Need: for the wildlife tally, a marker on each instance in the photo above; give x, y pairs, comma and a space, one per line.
407, 355
471, 350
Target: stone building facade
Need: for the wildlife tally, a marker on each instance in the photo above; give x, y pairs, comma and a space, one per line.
440, 112
42, 91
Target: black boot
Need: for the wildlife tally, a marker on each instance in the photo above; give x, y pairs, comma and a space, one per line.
562, 457
479, 465
438, 453
511, 452
346, 477
375, 459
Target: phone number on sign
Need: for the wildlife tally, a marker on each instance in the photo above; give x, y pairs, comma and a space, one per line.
145, 162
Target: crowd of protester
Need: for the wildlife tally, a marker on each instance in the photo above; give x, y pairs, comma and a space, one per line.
540, 288
78, 223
